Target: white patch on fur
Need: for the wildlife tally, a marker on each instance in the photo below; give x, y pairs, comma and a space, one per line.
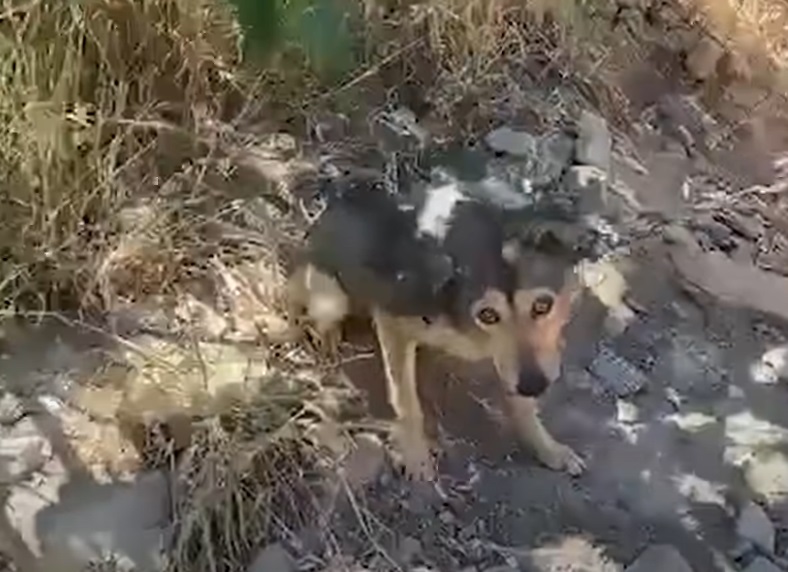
436, 213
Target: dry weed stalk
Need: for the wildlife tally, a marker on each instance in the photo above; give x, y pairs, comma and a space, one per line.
251, 474
85, 88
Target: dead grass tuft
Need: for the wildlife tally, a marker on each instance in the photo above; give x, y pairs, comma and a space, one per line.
751, 29
92, 93
251, 475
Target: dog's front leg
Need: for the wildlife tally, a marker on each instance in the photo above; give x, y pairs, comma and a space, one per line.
399, 360
524, 413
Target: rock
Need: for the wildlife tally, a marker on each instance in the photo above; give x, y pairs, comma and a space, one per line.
23, 451
590, 185
761, 564
504, 194
11, 409
618, 320
767, 476
516, 143
85, 524
408, 548
273, 558
702, 61
772, 367
732, 283
618, 376
594, 143
659, 558
754, 525
366, 461
716, 235
503, 568
572, 554
555, 152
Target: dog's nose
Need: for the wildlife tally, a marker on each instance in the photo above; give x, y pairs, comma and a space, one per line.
532, 382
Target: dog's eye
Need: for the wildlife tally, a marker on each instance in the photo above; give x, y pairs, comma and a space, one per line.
488, 316
542, 306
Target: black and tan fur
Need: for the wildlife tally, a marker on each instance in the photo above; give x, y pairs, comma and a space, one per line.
438, 272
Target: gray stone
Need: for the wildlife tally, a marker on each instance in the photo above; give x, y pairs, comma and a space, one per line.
125, 521
761, 564
515, 143
618, 376
702, 60
366, 461
502, 193
503, 568
408, 549
659, 558
754, 525
11, 409
589, 183
273, 558
594, 143
555, 152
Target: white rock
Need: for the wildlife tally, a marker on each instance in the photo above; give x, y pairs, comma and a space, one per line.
507, 140
573, 554
273, 558
659, 558
767, 475
772, 367
23, 451
594, 142
761, 564
754, 525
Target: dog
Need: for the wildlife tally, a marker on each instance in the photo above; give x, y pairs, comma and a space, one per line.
439, 271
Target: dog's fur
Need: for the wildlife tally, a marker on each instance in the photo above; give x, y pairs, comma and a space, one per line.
438, 272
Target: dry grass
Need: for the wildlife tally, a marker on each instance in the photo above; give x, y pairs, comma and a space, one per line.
752, 28
87, 90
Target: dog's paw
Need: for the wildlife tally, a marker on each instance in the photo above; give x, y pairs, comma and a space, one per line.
560, 457
416, 459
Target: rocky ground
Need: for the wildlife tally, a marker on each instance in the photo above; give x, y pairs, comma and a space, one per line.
674, 392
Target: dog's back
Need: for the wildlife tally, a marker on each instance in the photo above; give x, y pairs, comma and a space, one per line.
372, 244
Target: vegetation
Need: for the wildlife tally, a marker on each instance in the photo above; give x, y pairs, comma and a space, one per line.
130, 128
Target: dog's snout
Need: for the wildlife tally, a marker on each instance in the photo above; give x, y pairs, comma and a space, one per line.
532, 382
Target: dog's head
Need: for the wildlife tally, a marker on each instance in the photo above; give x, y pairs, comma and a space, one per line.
525, 325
